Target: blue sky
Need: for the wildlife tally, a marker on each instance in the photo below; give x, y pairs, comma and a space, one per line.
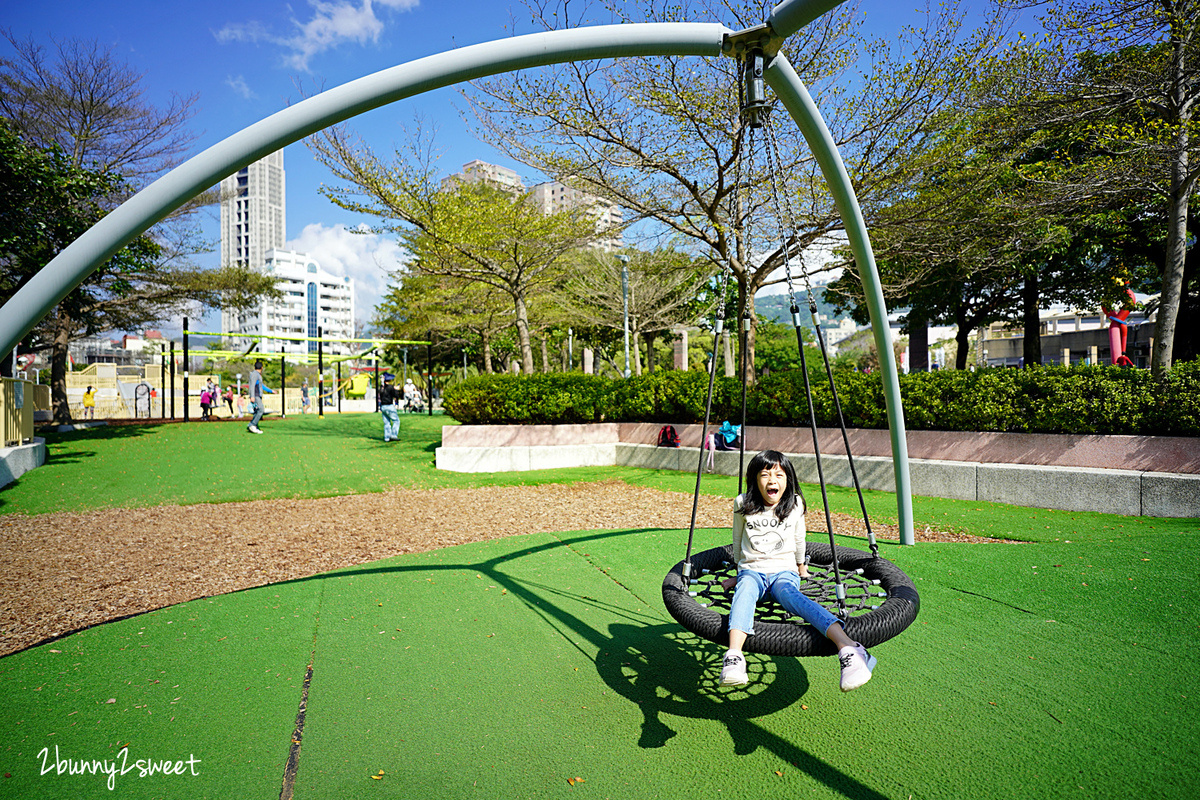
246, 60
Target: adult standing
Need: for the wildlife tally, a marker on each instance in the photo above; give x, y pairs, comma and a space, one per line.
257, 387
304, 401
389, 397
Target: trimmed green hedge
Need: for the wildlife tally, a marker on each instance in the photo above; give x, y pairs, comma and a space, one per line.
1105, 400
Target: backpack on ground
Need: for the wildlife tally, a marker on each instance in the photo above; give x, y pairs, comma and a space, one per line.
667, 437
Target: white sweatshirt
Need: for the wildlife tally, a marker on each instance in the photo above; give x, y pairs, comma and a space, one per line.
764, 544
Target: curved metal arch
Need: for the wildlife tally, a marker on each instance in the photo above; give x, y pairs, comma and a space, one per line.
69, 268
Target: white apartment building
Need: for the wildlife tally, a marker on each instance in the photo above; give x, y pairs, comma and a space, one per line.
482, 172
312, 299
253, 232
551, 197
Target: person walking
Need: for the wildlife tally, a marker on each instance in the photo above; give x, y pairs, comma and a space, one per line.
257, 387
389, 398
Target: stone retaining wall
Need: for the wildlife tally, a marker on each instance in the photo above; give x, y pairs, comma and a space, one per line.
1131, 475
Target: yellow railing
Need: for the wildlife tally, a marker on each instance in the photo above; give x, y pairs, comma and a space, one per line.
17, 401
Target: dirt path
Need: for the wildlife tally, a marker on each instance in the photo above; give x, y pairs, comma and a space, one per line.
66, 571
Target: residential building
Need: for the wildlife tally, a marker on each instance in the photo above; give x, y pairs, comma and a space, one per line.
482, 172
253, 212
312, 298
253, 232
551, 197
554, 197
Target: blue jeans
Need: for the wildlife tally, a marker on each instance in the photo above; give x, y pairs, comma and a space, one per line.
258, 412
785, 588
391, 422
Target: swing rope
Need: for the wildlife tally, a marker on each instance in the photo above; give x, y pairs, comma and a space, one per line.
789, 223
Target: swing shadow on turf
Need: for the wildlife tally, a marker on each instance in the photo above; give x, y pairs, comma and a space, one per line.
662, 669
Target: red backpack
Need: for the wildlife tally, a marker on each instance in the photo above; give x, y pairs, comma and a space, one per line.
667, 437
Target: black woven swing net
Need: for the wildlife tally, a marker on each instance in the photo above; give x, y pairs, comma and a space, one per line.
880, 601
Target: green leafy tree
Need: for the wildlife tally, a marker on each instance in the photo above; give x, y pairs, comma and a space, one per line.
100, 140
468, 315
468, 231
1126, 74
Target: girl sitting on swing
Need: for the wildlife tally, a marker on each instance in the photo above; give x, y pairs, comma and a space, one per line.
768, 543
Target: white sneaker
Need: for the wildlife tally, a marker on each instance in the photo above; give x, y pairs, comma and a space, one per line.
857, 664
254, 429
733, 669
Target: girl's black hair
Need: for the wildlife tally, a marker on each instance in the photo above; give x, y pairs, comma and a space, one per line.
753, 502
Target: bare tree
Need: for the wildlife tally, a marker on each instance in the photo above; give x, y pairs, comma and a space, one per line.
665, 138
93, 107
662, 287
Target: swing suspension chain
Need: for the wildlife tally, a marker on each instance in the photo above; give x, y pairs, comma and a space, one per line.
718, 327
789, 224
812, 416
744, 334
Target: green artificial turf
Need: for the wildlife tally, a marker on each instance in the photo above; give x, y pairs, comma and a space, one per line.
1061, 665
508, 668
215, 679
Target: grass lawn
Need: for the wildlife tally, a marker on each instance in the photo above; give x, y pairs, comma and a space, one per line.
1064, 666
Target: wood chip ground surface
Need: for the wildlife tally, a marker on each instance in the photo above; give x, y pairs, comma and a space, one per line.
67, 571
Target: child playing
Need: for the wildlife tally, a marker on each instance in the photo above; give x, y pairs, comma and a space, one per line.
768, 543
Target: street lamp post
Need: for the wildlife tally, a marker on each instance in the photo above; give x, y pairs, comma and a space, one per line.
625, 305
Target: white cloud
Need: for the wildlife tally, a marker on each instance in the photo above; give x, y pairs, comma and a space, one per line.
331, 24
240, 87
365, 257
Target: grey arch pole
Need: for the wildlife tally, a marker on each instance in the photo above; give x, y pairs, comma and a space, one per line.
69, 268
129, 220
799, 103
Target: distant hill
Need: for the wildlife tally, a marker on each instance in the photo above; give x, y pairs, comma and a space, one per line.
777, 307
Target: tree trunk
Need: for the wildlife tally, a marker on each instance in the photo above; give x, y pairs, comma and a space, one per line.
1172, 276
545, 356
636, 338
650, 337
523, 335
961, 338
1187, 334
727, 345
1031, 347
59, 355
487, 352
